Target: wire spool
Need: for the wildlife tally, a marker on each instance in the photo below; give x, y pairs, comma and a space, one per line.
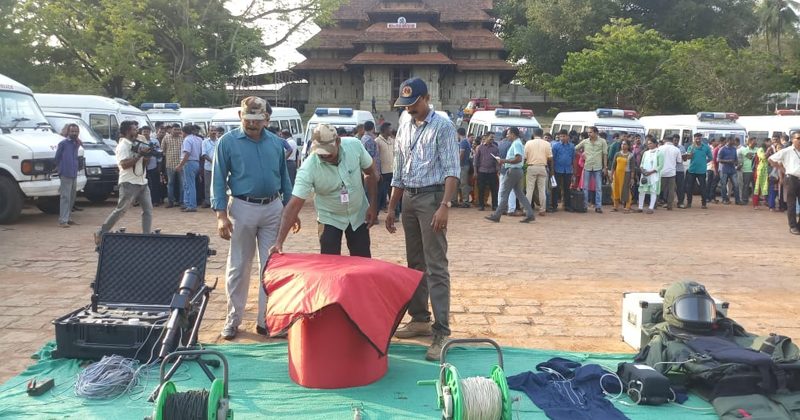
475, 398
190, 405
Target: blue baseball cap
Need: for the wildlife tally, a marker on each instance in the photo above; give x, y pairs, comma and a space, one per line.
410, 91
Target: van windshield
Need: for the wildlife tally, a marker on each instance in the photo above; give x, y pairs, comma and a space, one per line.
525, 133
20, 110
87, 136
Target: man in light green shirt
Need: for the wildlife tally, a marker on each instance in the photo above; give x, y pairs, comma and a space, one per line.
595, 152
332, 173
746, 155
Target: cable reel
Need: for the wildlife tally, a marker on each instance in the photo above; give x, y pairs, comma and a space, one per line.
471, 398
212, 404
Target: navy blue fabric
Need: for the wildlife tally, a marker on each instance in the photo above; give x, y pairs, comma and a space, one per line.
579, 397
727, 351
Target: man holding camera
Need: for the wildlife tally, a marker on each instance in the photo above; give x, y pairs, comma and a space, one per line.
132, 158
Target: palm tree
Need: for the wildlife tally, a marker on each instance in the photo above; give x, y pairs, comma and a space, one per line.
777, 17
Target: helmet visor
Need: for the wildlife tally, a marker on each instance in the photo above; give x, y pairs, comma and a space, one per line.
695, 309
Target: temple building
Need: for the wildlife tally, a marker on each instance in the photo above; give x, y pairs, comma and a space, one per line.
373, 45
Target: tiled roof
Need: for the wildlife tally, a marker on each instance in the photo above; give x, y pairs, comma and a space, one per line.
379, 32
449, 10
464, 39
320, 64
497, 65
380, 58
331, 39
355, 10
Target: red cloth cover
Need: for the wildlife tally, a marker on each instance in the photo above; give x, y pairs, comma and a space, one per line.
373, 294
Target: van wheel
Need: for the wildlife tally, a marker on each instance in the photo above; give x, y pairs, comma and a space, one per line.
97, 197
10, 201
48, 205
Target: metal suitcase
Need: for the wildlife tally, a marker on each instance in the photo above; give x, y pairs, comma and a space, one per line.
137, 276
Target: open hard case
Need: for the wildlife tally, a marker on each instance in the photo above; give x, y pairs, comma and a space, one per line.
137, 276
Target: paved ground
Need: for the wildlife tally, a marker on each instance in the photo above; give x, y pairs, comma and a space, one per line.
556, 283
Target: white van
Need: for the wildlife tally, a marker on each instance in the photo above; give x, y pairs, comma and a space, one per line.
27, 154
102, 172
346, 118
709, 124
281, 118
610, 121
787, 121
172, 113
102, 114
500, 119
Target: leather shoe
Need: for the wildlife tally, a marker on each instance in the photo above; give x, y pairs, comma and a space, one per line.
414, 329
794, 231
261, 330
527, 220
492, 219
434, 352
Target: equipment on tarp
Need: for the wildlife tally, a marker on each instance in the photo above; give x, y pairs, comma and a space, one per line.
194, 404
472, 398
645, 385
342, 312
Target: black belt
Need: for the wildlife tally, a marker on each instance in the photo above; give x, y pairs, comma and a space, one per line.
430, 188
261, 201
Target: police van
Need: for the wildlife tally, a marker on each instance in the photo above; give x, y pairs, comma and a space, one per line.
281, 119
709, 124
28, 168
102, 114
501, 119
608, 120
346, 118
172, 113
102, 172
785, 121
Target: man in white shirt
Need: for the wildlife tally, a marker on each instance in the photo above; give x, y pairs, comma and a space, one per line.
132, 179
672, 157
787, 160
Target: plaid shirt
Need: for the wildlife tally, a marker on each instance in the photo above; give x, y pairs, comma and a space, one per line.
425, 155
172, 146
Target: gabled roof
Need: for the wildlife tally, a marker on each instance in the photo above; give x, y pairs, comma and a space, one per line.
494, 65
471, 39
381, 58
331, 39
449, 10
320, 64
354, 10
462, 10
380, 33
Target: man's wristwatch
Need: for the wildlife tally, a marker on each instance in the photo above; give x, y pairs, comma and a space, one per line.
446, 204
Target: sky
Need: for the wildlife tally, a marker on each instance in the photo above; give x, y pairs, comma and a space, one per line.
285, 55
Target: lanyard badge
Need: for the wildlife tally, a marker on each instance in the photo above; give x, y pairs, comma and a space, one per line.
344, 197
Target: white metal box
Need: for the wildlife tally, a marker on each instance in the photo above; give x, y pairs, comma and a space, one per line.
645, 308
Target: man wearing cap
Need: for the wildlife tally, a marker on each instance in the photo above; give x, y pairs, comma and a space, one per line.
250, 162
333, 173
426, 177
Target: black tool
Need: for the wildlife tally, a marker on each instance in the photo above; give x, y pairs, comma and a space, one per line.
35, 389
645, 385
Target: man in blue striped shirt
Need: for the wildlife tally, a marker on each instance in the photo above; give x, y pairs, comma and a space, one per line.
426, 172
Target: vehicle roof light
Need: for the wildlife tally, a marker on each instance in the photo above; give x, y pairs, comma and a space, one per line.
158, 105
787, 112
334, 111
507, 112
616, 113
732, 116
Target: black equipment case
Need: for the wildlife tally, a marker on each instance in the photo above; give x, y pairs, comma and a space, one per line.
137, 276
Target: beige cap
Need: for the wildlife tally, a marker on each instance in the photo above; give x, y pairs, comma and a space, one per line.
254, 108
323, 140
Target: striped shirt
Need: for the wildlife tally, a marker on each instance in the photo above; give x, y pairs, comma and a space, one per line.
425, 155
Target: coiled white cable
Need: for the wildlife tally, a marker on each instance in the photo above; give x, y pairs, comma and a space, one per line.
482, 399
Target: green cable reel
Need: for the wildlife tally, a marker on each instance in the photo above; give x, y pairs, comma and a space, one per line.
218, 401
449, 389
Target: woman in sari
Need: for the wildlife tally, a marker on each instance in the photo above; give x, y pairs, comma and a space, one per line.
621, 174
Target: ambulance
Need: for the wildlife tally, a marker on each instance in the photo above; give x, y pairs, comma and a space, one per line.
28, 168
281, 119
785, 121
346, 118
172, 113
709, 124
102, 114
501, 119
608, 120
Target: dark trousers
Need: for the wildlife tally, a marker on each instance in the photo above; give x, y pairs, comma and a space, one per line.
487, 180
711, 185
291, 166
691, 180
791, 184
385, 194
154, 183
680, 179
330, 240
748, 185
561, 192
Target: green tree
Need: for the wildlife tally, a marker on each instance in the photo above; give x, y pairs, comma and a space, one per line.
20, 55
777, 17
622, 68
709, 75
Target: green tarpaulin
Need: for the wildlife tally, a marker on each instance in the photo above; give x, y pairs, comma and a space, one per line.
260, 387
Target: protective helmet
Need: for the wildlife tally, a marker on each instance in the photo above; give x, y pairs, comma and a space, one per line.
688, 305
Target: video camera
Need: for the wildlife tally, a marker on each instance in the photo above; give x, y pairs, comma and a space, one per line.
146, 149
